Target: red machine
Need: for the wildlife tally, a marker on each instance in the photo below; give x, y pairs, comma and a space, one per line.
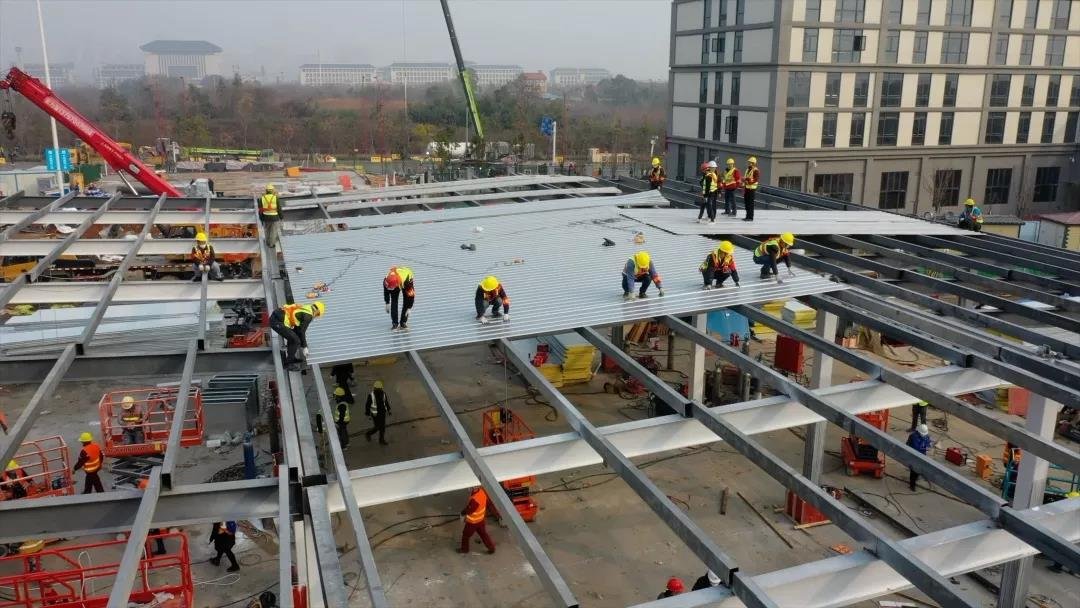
117, 157
48, 470
56, 578
861, 457
502, 425
155, 407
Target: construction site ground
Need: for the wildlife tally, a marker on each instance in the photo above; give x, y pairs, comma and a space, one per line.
610, 547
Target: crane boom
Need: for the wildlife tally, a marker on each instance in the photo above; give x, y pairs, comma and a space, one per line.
466, 84
113, 153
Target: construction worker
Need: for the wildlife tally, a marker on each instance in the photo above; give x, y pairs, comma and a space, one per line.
730, 181
640, 269
291, 322
342, 416
475, 515
399, 282
377, 408
132, 421
918, 440
657, 176
675, 586
490, 292
159, 544
773, 251
223, 536
710, 189
203, 259
268, 213
750, 185
3, 422
709, 579
342, 373
719, 265
918, 414
971, 218
13, 481
90, 461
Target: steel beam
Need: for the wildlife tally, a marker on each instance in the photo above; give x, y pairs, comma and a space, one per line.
330, 577
136, 542
172, 445
542, 565
42, 247
156, 363
284, 533
9, 444
135, 292
1000, 249
1021, 259
18, 225
165, 218
991, 238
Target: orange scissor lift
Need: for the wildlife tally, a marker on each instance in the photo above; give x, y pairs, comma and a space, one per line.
861, 457
47, 467
502, 425
155, 406
58, 579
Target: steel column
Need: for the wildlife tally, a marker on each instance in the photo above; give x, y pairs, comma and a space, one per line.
9, 444
136, 543
814, 435
697, 362
172, 445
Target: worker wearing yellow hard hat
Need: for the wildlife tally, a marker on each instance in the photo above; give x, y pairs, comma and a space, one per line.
719, 266
132, 421
751, 178
377, 408
291, 322
90, 461
971, 218
203, 259
13, 481
398, 283
342, 415
730, 180
639, 268
268, 213
657, 176
491, 293
770, 252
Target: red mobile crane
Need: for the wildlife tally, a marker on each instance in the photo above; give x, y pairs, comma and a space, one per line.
117, 157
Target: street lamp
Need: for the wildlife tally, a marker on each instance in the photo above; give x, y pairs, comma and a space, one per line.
48, 83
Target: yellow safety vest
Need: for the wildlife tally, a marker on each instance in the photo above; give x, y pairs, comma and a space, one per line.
762, 249
268, 204
729, 176
348, 414
291, 310
750, 178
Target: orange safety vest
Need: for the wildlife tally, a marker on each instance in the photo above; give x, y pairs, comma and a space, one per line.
750, 179
268, 204
93, 458
480, 513
202, 254
291, 310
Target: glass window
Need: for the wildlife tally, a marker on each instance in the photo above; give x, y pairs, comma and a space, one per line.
1001, 49
948, 99
954, 47
702, 112
845, 48
918, 51
723, 13
1027, 93
995, 128
791, 182
705, 48
1049, 120
809, 44
703, 88
680, 166
1071, 135
892, 89
922, 91
828, 130
718, 48
1060, 17
1055, 50
1074, 95
813, 12
947, 188
945, 129
832, 89
894, 11
958, 12
740, 9
997, 186
731, 128
999, 90
862, 89
1053, 90
798, 93
1027, 45
1046, 184
1003, 13
1023, 127
858, 130
918, 129
737, 51
834, 185
888, 125
708, 11
922, 14
795, 130
717, 130
1031, 15
736, 87
718, 88
850, 11
891, 49
893, 192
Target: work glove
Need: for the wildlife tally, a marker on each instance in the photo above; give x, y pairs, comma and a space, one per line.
661, 292
387, 308
305, 351
506, 317
204, 268
482, 320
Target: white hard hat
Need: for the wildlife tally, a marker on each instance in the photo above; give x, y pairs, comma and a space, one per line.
712, 164
923, 430
713, 579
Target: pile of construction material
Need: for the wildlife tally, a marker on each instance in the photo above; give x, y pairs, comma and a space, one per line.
792, 311
563, 358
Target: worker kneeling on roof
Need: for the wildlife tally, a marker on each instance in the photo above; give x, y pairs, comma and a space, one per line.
971, 218
770, 252
397, 283
719, 265
203, 259
491, 293
291, 322
640, 269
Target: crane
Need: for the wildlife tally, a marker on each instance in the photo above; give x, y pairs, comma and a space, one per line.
118, 158
463, 73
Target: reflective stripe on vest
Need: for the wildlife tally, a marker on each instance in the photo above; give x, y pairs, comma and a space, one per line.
480, 513
202, 254
291, 310
710, 183
268, 204
729, 176
347, 413
761, 249
750, 180
93, 458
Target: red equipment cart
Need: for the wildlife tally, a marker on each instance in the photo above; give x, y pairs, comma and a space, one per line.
156, 406
502, 425
48, 470
861, 457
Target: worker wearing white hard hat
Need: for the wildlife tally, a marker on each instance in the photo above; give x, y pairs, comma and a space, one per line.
132, 421
918, 440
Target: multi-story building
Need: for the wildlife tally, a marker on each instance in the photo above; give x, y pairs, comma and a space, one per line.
912, 105
577, 77
342, 74
492, 76
112, 74
420, 73
535, 82
190, 59
61, 74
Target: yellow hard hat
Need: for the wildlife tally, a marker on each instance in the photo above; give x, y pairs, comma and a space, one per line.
339, 392
970, 202
642, 259
490, 283
788, 238
731, 161
201, 237
726, 247
656, 161
127, 402
752, 160
378, 384
319, 308
1073, 494
12, 465
86, 437
269, 187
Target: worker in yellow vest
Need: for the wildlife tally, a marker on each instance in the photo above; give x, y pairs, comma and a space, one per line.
750, 185
971, 218
773, 251
730, 180
342, 416
657, 176
268, 213
291, 322
204, 260
398, 282
475, 514
710, 187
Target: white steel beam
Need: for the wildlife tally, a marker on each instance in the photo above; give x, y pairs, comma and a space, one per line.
135, 548
165, 218
137, 291
18, 224
42, 247
462, 198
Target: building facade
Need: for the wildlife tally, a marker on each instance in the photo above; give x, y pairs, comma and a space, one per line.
189, 59
907, 105
339, 74
112, 74
420, 73
61, 74
577, 77
535, 82
493, 76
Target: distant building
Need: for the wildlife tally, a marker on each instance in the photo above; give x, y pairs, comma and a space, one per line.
535, 82
419, 73
576, 77
61, 74
112, 74
490, 76
190, 59
342, 74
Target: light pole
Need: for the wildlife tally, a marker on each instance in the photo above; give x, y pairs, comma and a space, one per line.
48, 83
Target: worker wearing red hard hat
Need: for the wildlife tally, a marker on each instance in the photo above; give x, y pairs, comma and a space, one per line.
770, 252
90, 461
398, 283
675, 586
719, 266
640, 269
475, 516
203, 259
710, 189
730, 180
291, 322
490, 292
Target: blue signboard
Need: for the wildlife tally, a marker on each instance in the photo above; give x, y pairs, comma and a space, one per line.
51, 162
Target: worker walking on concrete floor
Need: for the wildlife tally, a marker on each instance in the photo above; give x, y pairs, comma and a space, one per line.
719, 265
918, 414
291, 322
377, 408
13, 481
639, 268
223, 536
709, 579
132, 421
490, 292
90, 461
657, 176
342, 373
971, 218
710, 189
773, 251
675, 586
730, 182
750, 185
399, 283
342, 416
270, 216
203, 259
918, 440
475, 515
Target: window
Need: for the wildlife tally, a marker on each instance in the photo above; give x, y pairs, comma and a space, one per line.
922, 91
918, 129
703, 88
828, 130
809, 44
723, 13
892, 88
717, 131
891, 49
995, 128
850, 11
893, 193
832, 89
813, 13
1046, 184
700, 157
708, 12
1001, 50
954, 47
862, 89
858, 130
845, 48
1049, 120
1074, 95
718, 44
731, 128
737, 51
1027, 93
1060, 17
1027, 45
945, 129
999, 90
1053, 90
894, 11
1031, 15
947, 188
718, 88
1023, 128
1003, 13
795, 130
922, 14
701, 123
740, 9
997, 186
834, 185
798, 93
1071, 135
918, 51
705, 48
680, 167
888, 124
791, 182
736, 87
958, 12
948, 98
1055, 50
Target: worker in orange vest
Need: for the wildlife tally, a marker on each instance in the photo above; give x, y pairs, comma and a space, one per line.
475, 513
490, 292
730, 180
90, 461
159, 543
750, 186
3, 422
14, 479
204, 260
719, 266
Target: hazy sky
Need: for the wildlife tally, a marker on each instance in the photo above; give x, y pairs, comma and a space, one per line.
624, 36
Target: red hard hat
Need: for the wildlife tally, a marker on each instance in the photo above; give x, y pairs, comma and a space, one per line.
392, 280
704, 166
675, 585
